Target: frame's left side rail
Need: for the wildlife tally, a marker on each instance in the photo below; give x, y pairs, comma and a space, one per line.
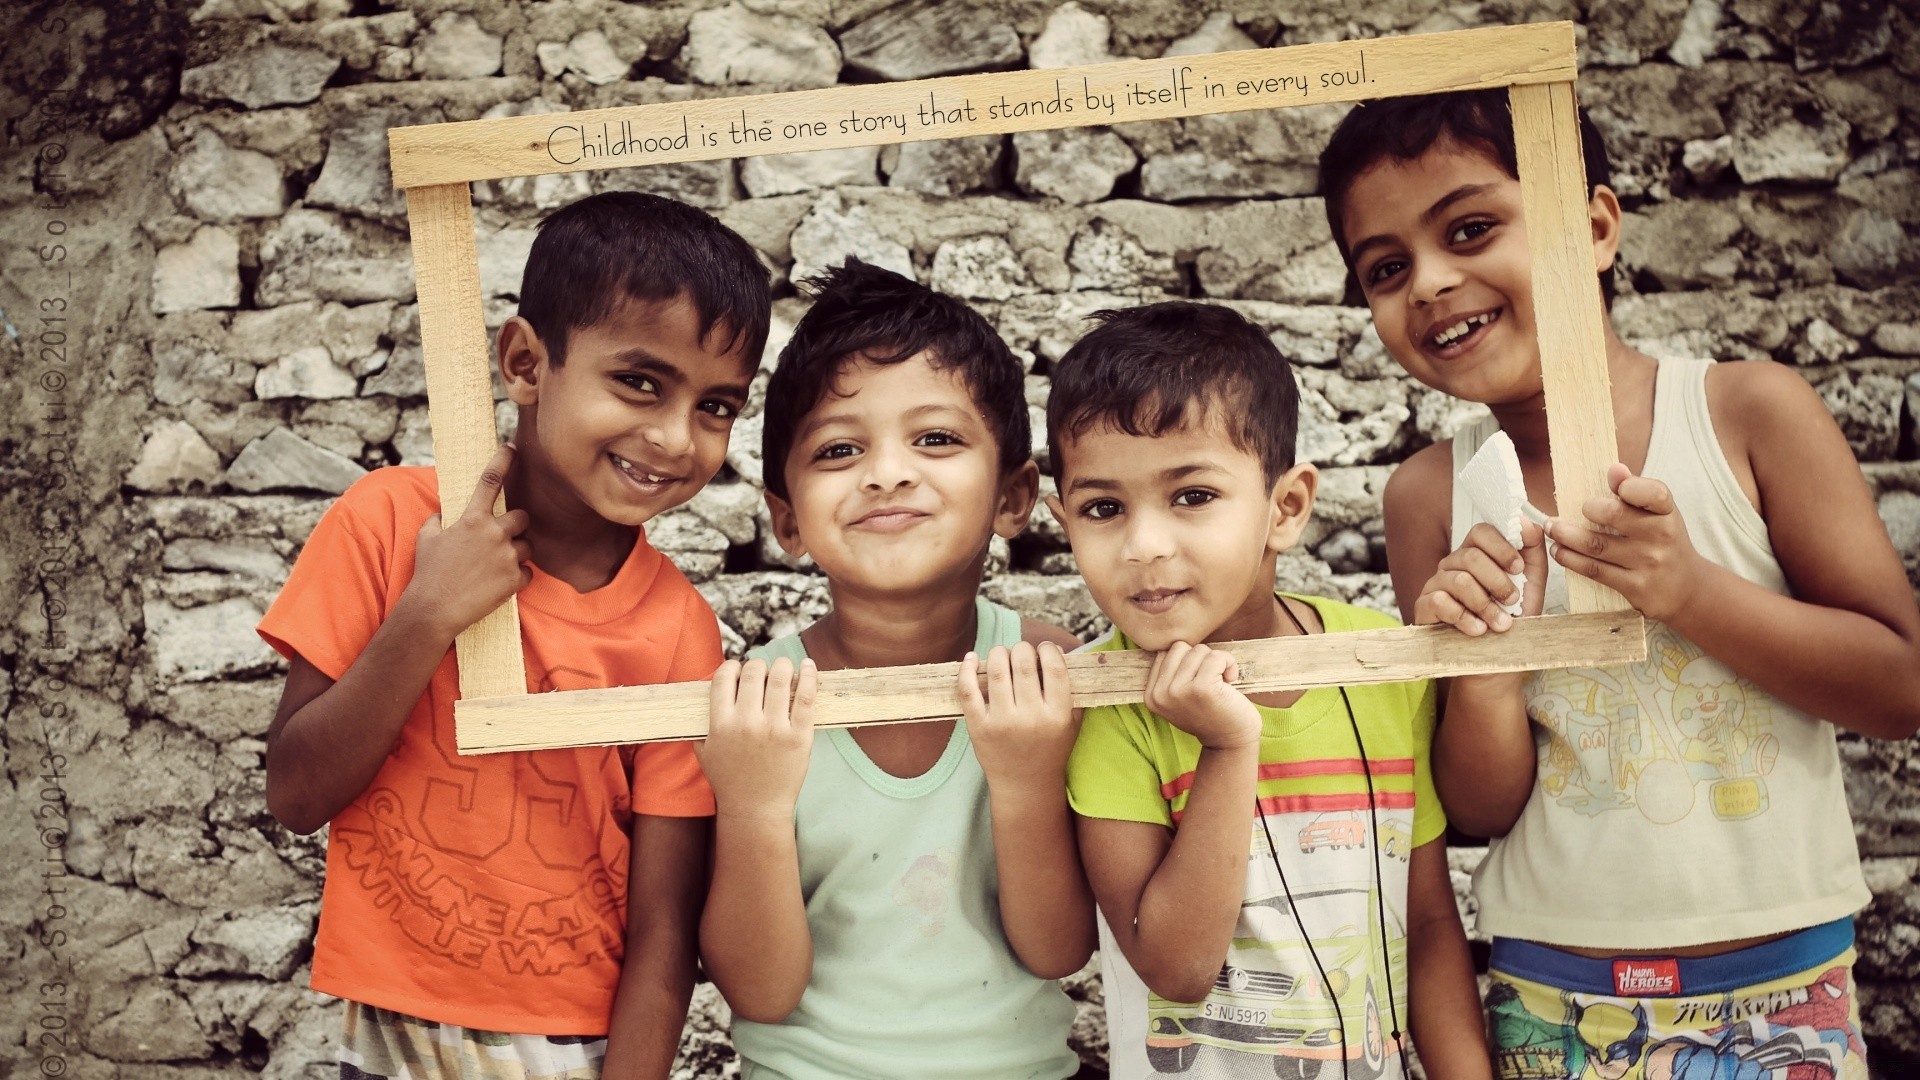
453, 341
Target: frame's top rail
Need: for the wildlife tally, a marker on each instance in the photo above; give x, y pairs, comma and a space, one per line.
869, 115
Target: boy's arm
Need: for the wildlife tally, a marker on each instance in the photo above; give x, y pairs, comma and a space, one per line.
329, 739
1443, 998
1172, 897
1022, 732
753, 935
1483, 752
1846, 645
666, 881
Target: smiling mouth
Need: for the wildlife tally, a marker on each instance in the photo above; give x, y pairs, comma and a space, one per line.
1156, 601
640, 476
889, 519
1458, 336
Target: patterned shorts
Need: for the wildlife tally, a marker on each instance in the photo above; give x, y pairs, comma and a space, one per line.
1783, 1010
377, 1044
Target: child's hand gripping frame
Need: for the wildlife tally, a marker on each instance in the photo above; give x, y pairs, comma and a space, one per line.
434, 164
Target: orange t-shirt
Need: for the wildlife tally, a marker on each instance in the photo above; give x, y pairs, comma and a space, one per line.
490, 891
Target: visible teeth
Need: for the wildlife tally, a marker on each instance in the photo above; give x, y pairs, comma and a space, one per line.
1461, 329
627, 467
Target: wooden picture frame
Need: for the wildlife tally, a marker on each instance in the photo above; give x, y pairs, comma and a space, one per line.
434, 164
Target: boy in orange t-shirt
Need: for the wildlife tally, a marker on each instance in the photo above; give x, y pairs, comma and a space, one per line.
475, 914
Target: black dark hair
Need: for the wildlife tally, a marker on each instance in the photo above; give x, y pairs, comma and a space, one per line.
1141, 370
861, 311
1404, 128
593, 255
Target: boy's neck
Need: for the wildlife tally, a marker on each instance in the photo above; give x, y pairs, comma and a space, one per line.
895, 629
569, 541
1628, 370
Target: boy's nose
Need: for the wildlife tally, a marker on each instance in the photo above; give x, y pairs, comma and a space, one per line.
887, 467
673, 434
1147, 540
1432, 279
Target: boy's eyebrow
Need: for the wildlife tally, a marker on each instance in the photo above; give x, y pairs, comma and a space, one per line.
1440, 206
1177, 472
826, 419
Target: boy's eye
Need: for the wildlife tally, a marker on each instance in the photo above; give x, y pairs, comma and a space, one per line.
938, 438
1384, 269
1468, 230
643, 383
1194, 497
725, 410
835, 451
1101, 509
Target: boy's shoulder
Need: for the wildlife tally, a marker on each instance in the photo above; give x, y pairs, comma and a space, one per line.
1759, 396
1421, 486
397, 489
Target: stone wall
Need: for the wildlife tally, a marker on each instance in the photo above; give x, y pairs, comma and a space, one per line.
199, 190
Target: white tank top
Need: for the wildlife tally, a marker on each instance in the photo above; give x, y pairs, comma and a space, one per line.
1676, 803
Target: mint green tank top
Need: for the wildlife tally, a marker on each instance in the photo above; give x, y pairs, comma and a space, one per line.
912, 974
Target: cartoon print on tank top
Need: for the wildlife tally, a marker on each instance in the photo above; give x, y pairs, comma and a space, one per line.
1676, 734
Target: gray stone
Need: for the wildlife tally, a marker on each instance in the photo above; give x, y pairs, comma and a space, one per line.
743, 449
202, 273
1683, 244
979, 268
413, 440
1075, 165
1062, 601
455, 47
1899, 339
709, 185
212, 642
260, 76
766, 605
944, 166
1900, 510
1110, 259
1706, 160
1218, 34
1697, 35
305, 373
315, 255
223, 711
1621, 34
590, 55
785, 174
697, 548
768, 223
922, 38
1787, 135
1867, 407
175, 458
281, 460
266, 944
218, 183
1349, 422
246, 556
503, 260
730, 509
735, 45
357, 176
1235, 155
370, 419
1072, 37
1873, 250
358, 42
405, 374
1843, 35
191, 363
831, 232
1438, 416
1346, 552
150, 1023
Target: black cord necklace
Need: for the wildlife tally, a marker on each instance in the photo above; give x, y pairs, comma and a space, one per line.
1379, 887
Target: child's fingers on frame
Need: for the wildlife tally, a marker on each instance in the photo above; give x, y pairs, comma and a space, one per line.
1484, 539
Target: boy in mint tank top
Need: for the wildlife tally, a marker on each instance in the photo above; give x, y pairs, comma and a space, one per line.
897, 901
1673, 874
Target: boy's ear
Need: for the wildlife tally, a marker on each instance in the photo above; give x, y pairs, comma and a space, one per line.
1293, 497
1058, 509
1019, 490
786, 526
1603, 212
523, 360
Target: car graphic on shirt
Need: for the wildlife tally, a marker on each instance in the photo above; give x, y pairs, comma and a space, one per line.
1269, 998
1334, 829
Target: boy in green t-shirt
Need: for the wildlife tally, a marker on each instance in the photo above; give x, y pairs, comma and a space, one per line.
1271, 865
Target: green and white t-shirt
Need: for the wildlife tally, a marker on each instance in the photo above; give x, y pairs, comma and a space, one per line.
912, 973
1344, 854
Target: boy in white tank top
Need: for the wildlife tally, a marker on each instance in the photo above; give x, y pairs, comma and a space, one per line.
1673, 876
